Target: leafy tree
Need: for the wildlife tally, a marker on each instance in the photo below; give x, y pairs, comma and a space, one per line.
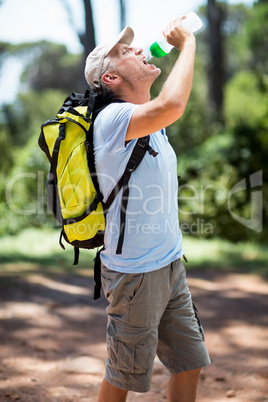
88, 39
52, 66
22, 189
213, 158
257, 31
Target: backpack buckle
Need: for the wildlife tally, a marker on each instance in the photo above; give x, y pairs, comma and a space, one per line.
152, 151
131, 166
143, 143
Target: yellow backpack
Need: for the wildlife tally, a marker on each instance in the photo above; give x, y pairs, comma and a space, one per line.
73, 193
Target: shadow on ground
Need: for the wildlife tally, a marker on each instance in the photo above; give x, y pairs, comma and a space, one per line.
49, 317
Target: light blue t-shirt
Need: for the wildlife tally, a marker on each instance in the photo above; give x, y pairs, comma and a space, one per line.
152, 236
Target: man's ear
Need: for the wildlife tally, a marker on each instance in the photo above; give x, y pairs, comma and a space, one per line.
111, 78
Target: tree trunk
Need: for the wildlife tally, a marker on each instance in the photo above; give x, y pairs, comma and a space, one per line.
88, 38
122, 14
216, 70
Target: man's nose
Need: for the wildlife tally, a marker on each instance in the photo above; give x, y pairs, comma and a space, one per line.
138, 50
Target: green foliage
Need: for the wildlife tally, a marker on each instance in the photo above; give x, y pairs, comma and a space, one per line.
22, 190
245, 103
39, 248
6, 158
53, 67
194, 125
257, 29
226, 256
237, 51
21, 119
50, 75
213, 156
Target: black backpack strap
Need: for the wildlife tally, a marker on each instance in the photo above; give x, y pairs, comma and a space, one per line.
52, 191
55, 154
76, 249
97, 276
76, 256
137, 155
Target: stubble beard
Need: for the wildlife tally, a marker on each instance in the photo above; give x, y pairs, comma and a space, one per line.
132, 79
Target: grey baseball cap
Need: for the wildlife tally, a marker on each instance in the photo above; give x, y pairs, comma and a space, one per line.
96, 60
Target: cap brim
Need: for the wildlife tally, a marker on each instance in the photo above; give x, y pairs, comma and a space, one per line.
126, 36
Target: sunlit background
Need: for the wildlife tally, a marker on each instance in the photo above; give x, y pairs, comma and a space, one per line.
221, 143
60, 21
221, 140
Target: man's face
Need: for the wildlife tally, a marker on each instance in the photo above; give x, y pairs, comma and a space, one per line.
132, 66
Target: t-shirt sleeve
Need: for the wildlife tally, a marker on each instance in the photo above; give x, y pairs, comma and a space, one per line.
113, 122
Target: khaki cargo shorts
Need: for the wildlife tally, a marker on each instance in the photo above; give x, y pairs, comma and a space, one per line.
148, 314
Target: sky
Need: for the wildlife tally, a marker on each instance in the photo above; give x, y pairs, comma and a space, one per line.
34, 20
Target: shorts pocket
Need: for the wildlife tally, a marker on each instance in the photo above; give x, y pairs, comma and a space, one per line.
109, 279
128, 348
137, 285
198, 321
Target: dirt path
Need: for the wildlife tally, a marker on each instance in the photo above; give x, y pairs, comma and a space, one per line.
52, 338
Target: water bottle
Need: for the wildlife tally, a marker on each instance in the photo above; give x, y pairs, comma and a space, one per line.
161, 47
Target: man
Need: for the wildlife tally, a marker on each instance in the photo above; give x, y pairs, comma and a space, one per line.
150, 308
